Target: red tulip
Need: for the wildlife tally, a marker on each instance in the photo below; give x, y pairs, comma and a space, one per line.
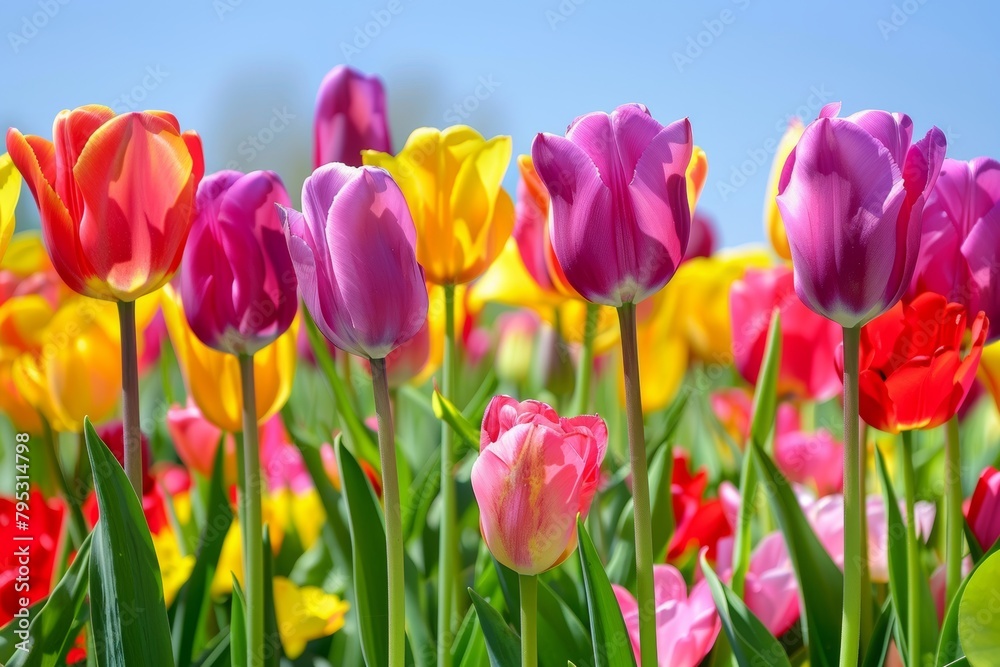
699, 522
44, 527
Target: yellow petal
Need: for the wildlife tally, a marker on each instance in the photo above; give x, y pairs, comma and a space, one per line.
26, 255
175, 568
304, 614
10, 191
508, 282
773, 225
695, 175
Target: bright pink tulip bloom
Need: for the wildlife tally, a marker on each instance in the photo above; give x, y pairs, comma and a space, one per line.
771, 590
196, 439
536, 473
851, 195
701, 242
686, 625
808, 341
620, 214
350, 117
353, 252
961, 234
983, 511
237, 282
811, 458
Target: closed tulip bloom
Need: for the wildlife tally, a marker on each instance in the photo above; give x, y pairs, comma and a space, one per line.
351, 116
353, 251
917, 363
452, 182
773, 225
10, 192
536, 473
851, 195
237, 281
115, 195
983, 509
808, 341
701, 242
620, 212
961, 236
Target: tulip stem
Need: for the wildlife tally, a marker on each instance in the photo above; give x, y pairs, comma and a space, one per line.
953, 511
448, 545
581, 397
913, 570
640, 487
853, 505
253, 538
529, 623
393, 518
130, 396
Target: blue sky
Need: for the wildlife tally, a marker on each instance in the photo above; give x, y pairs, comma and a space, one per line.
236, 70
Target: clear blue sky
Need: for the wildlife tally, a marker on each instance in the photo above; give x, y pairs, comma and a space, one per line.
232, 68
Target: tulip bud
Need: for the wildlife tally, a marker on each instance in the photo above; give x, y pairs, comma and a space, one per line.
350, 117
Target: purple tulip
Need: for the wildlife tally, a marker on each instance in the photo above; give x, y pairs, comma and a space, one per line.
350, 117
237, 282
353, 252
852, 194
620, 215
960, 242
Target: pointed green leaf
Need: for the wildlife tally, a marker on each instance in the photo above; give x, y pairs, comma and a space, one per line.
446, 411
238, 627
882, 636
502, 645
126, 592
612, 646
978, 617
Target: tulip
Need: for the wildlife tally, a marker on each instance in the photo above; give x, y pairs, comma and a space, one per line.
815, 458
773, 225
175, 567
237, 282
196, 440
305, 613
771, 590
18, 582
808, 341
112, 435
983, 513
958, 256
10, 191
699, 523
353, 252
350, 117
686, 624
27, 269
452, 183
701, 242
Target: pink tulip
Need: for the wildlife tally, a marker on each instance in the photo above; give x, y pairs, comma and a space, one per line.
350, 117
620, 214
196, 440
852, 194
814, 458
237, 282
353, 253
771, 590
808, 341
961, 233
686, 625
983, 511
701, 242
280, 460
536, 473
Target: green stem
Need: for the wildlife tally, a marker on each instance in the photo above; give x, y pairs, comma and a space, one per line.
529, 622
130, 396
448, 546
867, 606
853, 505
393, 517
741, 542
253, 538
953, 511
78, 525
581, 397
640, 488
913, 570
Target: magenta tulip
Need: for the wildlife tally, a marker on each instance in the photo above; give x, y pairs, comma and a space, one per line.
686, 624
536, 473
350, 117
353, 252
959, 256
620, 214
237, 282
852, 195
983, 509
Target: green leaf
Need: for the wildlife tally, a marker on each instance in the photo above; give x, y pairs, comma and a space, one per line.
661, 472
563, 632
51, 630
751, 642
469, 647
949, 647
238, 627
450, 415
978, 617
882, 635
193, 601
820, 581
126, 593
371, 589
612, 646
502, 645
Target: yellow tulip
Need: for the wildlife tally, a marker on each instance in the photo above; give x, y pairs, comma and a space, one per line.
213, 378
773, 225
989, 370
13, 402
10, 191
305, 613
175, 568
452, 182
